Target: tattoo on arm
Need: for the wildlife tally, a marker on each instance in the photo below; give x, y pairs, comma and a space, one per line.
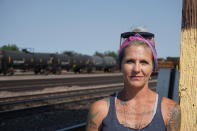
94, 117
91, 124
174, 119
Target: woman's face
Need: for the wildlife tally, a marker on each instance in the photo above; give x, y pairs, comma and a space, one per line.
137, 65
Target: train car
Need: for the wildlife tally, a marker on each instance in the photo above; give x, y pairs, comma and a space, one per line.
12, 60
64, 61
44, 63
82, 63
98, 63
170, 62
175, 61
109, 64
1, 61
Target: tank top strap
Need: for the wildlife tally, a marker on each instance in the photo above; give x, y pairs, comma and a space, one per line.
159, 99
112, 103
159, 104
158, 112
110, 115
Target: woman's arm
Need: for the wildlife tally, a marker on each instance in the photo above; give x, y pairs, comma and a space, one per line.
174, 120
97, 113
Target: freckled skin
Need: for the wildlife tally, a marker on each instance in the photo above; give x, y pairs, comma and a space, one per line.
137, 62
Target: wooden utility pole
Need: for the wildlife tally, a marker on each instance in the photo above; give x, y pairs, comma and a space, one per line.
188, 66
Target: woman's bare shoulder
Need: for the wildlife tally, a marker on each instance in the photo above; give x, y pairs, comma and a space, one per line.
102, 104
97, 112
168, 102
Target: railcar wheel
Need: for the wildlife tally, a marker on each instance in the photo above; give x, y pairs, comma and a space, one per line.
89, 70
46, 72
36, 72
59, 71
11, 73
5, 73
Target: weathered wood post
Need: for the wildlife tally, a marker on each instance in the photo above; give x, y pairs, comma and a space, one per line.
188, 66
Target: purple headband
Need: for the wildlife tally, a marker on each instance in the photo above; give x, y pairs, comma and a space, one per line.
137, 36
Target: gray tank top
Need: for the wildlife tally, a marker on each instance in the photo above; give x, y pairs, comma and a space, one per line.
111, 123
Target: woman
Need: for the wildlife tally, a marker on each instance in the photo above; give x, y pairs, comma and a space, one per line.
136, 107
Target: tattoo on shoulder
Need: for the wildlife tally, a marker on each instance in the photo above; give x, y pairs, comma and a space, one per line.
91, 124
124, 103
174, 118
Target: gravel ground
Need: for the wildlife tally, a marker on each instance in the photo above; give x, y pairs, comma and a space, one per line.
45, 121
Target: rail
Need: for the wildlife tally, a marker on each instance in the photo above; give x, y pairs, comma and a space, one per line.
78, 127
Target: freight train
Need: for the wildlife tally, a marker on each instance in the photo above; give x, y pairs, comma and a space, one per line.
45, 63
169, 62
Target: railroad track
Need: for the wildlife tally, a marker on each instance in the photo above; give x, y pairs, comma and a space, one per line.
32, 101
37, 99
28, 85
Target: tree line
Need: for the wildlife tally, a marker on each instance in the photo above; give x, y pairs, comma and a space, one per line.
11, 47
113, 54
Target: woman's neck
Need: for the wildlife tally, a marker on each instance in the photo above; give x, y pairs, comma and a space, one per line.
129, 93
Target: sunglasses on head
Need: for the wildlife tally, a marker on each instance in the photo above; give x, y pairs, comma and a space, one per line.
146, 35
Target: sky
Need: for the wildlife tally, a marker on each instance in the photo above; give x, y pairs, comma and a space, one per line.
86, 26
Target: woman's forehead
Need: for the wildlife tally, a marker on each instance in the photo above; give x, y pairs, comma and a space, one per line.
132, 49
138, 51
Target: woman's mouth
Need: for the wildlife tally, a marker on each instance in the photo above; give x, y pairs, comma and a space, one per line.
136, 77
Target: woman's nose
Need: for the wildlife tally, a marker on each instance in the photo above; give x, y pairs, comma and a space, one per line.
136, 68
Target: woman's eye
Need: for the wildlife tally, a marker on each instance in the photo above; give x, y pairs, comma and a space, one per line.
129, 61
144, 62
